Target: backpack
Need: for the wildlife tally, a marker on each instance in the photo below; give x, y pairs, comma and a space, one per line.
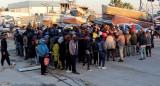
148, 39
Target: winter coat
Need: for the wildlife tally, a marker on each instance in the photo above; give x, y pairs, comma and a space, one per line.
143, 40
32, 51
121, 39
133, 29
110, 42
72, 47
133, 38
4, 46
87, 47
52, 42
25, 40
67, 48
43, 49
62, 50
128, 40
81, 46
56, 52
102, 48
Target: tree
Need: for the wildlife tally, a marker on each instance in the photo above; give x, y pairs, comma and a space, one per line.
120, 4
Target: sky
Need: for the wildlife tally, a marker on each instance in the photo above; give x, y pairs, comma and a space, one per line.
93, 4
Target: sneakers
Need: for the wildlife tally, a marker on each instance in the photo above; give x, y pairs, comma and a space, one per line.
83, 65
3, 67
11, 66
75, 72
104, 68
68, 71
99, 67
89, 69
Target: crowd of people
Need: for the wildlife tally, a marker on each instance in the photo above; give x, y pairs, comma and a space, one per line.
89, 44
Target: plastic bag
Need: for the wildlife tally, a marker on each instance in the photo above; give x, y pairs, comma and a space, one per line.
46, 60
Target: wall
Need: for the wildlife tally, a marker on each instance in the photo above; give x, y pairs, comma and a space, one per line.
43, 10
24, 10
14, 14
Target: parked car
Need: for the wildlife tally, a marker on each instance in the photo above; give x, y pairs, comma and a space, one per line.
7, 29
126, 25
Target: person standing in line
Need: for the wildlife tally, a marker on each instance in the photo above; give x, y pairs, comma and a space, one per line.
73, 49
87, 53
110, 45
142, 43
152, 37
32, 51
102, 53
25, 41
43, 51
134, 43
148, 46
68, 57
128, 43
4, 52
121, 44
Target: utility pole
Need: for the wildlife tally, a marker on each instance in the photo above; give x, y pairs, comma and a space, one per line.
140, 8
152, 14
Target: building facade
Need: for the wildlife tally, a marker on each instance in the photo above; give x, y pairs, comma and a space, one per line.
35, 7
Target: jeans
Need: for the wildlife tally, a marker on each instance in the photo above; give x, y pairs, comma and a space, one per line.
143, 51
101, 59
148, 48
36, 60
117, 51
134, 50
128, 50
121, 52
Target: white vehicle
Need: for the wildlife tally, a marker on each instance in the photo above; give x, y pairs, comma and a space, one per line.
126, 25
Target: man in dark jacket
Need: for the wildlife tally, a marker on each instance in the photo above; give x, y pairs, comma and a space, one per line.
142, 43
4, 52
152, 37
87, 53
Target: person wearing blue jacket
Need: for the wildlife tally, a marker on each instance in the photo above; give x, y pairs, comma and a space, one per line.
43, 51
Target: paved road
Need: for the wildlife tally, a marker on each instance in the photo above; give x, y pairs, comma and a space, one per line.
132, 72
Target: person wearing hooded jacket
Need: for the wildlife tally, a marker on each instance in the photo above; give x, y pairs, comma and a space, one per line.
142, 43
133, 43
133, 29
62, 51
121, 44
110, 45
43, 51
73, 49
87, 53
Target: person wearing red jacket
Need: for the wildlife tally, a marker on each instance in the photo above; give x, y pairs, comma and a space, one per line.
133, 28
